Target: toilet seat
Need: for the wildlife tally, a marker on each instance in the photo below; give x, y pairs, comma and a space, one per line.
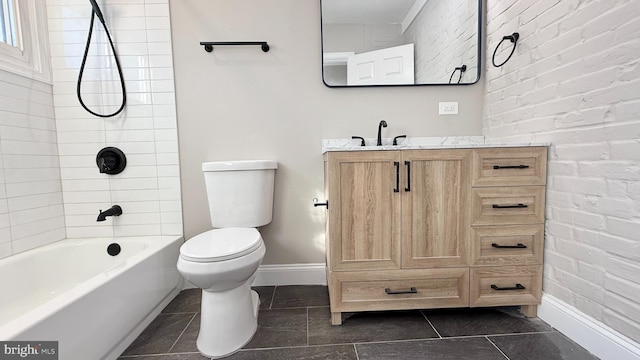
221, 244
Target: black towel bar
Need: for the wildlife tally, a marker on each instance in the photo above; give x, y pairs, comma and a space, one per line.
208, 46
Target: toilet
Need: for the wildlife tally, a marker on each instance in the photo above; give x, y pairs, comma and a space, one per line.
223, 261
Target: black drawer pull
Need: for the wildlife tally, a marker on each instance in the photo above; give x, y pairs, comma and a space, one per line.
397, 165
496, 206
498, 167
413, 290
519, 246
517, 287
408, 165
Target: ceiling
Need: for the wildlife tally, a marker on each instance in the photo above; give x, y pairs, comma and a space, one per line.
365, 11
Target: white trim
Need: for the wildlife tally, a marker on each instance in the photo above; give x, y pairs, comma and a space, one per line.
591, 334
288, 274
336, 58
291, 274
412, 14
32, 58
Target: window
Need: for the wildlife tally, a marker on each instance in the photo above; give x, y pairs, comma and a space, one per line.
24, 49
8, 33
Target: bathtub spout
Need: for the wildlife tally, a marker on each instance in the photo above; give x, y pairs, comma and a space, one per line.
115, 210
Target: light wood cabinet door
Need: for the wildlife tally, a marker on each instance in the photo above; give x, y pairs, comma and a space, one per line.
364, 210
435, 208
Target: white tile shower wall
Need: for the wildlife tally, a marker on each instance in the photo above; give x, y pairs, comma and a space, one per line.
31, 212
437, 53
574, 81
148, 190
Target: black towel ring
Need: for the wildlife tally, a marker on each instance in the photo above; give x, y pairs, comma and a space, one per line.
514, 39
462, 69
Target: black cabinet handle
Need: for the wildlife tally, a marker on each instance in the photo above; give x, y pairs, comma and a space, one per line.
408, 165
397, 165
412, 290
498, 167
517, 287
519, 246
496, 206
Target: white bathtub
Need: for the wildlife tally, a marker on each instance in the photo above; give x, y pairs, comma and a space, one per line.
92, 303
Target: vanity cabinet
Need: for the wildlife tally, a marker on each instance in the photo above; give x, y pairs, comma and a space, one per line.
417, 229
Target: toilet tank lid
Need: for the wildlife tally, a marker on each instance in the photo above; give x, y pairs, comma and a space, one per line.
239, 165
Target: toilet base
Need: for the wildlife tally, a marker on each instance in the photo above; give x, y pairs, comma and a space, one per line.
229, 319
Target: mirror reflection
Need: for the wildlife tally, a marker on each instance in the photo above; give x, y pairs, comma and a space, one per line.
400, 42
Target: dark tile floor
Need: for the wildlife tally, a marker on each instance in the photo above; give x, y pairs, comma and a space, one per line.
294, 323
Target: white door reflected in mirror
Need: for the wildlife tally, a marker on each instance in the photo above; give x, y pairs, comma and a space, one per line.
390, 66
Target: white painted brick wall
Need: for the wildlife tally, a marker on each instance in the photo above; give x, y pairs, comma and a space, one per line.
146, 131
438, 52
574, 81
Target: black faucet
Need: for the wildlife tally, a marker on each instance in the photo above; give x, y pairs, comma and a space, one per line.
380, 126
115, 210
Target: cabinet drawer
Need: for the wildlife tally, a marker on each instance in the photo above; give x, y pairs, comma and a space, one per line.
398, 289
507, 245
507, 205
510, 166
506, 285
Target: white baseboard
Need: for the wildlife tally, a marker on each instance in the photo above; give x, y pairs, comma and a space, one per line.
291, 274
591, 334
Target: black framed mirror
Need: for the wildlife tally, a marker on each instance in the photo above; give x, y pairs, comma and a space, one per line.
401, 42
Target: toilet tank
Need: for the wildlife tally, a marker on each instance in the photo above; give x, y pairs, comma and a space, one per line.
240, 193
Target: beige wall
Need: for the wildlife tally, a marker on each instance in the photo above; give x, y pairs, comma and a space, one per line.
241, 103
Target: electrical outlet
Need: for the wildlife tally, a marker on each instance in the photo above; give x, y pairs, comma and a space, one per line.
448, 108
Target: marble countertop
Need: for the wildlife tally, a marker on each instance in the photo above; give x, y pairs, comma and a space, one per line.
436, 142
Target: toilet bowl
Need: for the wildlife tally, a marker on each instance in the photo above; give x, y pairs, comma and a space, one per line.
223, 262
225, 272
